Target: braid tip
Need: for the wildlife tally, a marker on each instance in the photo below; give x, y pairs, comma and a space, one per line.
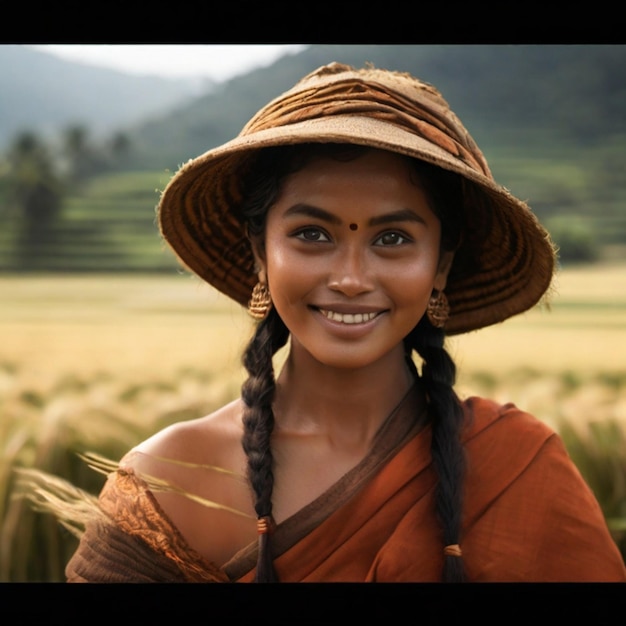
265, 525
453, 549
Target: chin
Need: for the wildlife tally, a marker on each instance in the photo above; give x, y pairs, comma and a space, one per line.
353, 360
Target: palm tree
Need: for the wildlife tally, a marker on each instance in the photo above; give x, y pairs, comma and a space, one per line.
34, 194
80, 155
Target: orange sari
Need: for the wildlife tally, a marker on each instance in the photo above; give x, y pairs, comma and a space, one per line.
528, 516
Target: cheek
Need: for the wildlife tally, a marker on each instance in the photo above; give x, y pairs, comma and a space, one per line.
275, 257
412, 279
410, 290
288, 275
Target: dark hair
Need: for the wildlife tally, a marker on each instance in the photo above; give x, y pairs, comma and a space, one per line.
267, 170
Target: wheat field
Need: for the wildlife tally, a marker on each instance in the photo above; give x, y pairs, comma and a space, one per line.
138, 328
99, 362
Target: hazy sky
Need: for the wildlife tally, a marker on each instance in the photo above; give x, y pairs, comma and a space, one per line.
216, 61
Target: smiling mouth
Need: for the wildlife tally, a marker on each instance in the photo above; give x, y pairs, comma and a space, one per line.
348, 318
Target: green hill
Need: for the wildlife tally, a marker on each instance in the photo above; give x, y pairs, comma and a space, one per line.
551, 120
503, 93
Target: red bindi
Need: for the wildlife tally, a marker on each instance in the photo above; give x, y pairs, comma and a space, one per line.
354, 227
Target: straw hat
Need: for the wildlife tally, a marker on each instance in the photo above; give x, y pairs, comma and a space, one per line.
506, 260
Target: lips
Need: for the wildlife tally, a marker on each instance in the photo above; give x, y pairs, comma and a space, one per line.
348, 318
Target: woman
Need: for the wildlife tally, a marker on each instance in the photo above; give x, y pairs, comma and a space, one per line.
359, 222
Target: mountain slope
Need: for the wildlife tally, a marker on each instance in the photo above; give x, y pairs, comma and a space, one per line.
45, 94
575, 92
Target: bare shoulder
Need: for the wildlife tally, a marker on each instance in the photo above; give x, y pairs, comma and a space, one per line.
202, 458
212, 440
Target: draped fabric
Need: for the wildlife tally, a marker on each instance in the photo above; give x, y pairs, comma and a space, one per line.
528, 517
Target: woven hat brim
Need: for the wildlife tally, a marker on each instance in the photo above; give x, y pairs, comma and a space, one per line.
504, 266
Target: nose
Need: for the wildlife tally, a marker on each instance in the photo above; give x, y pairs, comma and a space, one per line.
351, 274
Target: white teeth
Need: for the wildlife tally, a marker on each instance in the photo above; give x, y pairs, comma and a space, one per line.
348, 318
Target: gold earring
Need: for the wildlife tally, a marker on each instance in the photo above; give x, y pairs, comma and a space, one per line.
438, 310
261, 301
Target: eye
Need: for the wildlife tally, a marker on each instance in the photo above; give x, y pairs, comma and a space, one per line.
311, 234
392, 238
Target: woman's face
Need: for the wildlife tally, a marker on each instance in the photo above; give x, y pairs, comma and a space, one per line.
351, 257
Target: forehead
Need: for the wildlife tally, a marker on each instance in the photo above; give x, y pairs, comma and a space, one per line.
374, 173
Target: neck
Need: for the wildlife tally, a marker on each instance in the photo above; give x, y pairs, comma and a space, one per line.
311, 397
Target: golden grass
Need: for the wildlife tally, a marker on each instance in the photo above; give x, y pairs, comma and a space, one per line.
97, 363
128, 325
584, 330
156, 324
152, 326
141, 328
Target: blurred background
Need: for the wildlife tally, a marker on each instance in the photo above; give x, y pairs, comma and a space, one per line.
104, 339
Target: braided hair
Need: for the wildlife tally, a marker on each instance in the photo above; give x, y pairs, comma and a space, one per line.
439, 374
257, 393
260, 190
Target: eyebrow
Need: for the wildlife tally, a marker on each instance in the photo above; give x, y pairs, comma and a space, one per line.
403, 215
312, 211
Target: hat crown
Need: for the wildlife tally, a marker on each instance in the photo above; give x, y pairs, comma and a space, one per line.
393, 97
400, 81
